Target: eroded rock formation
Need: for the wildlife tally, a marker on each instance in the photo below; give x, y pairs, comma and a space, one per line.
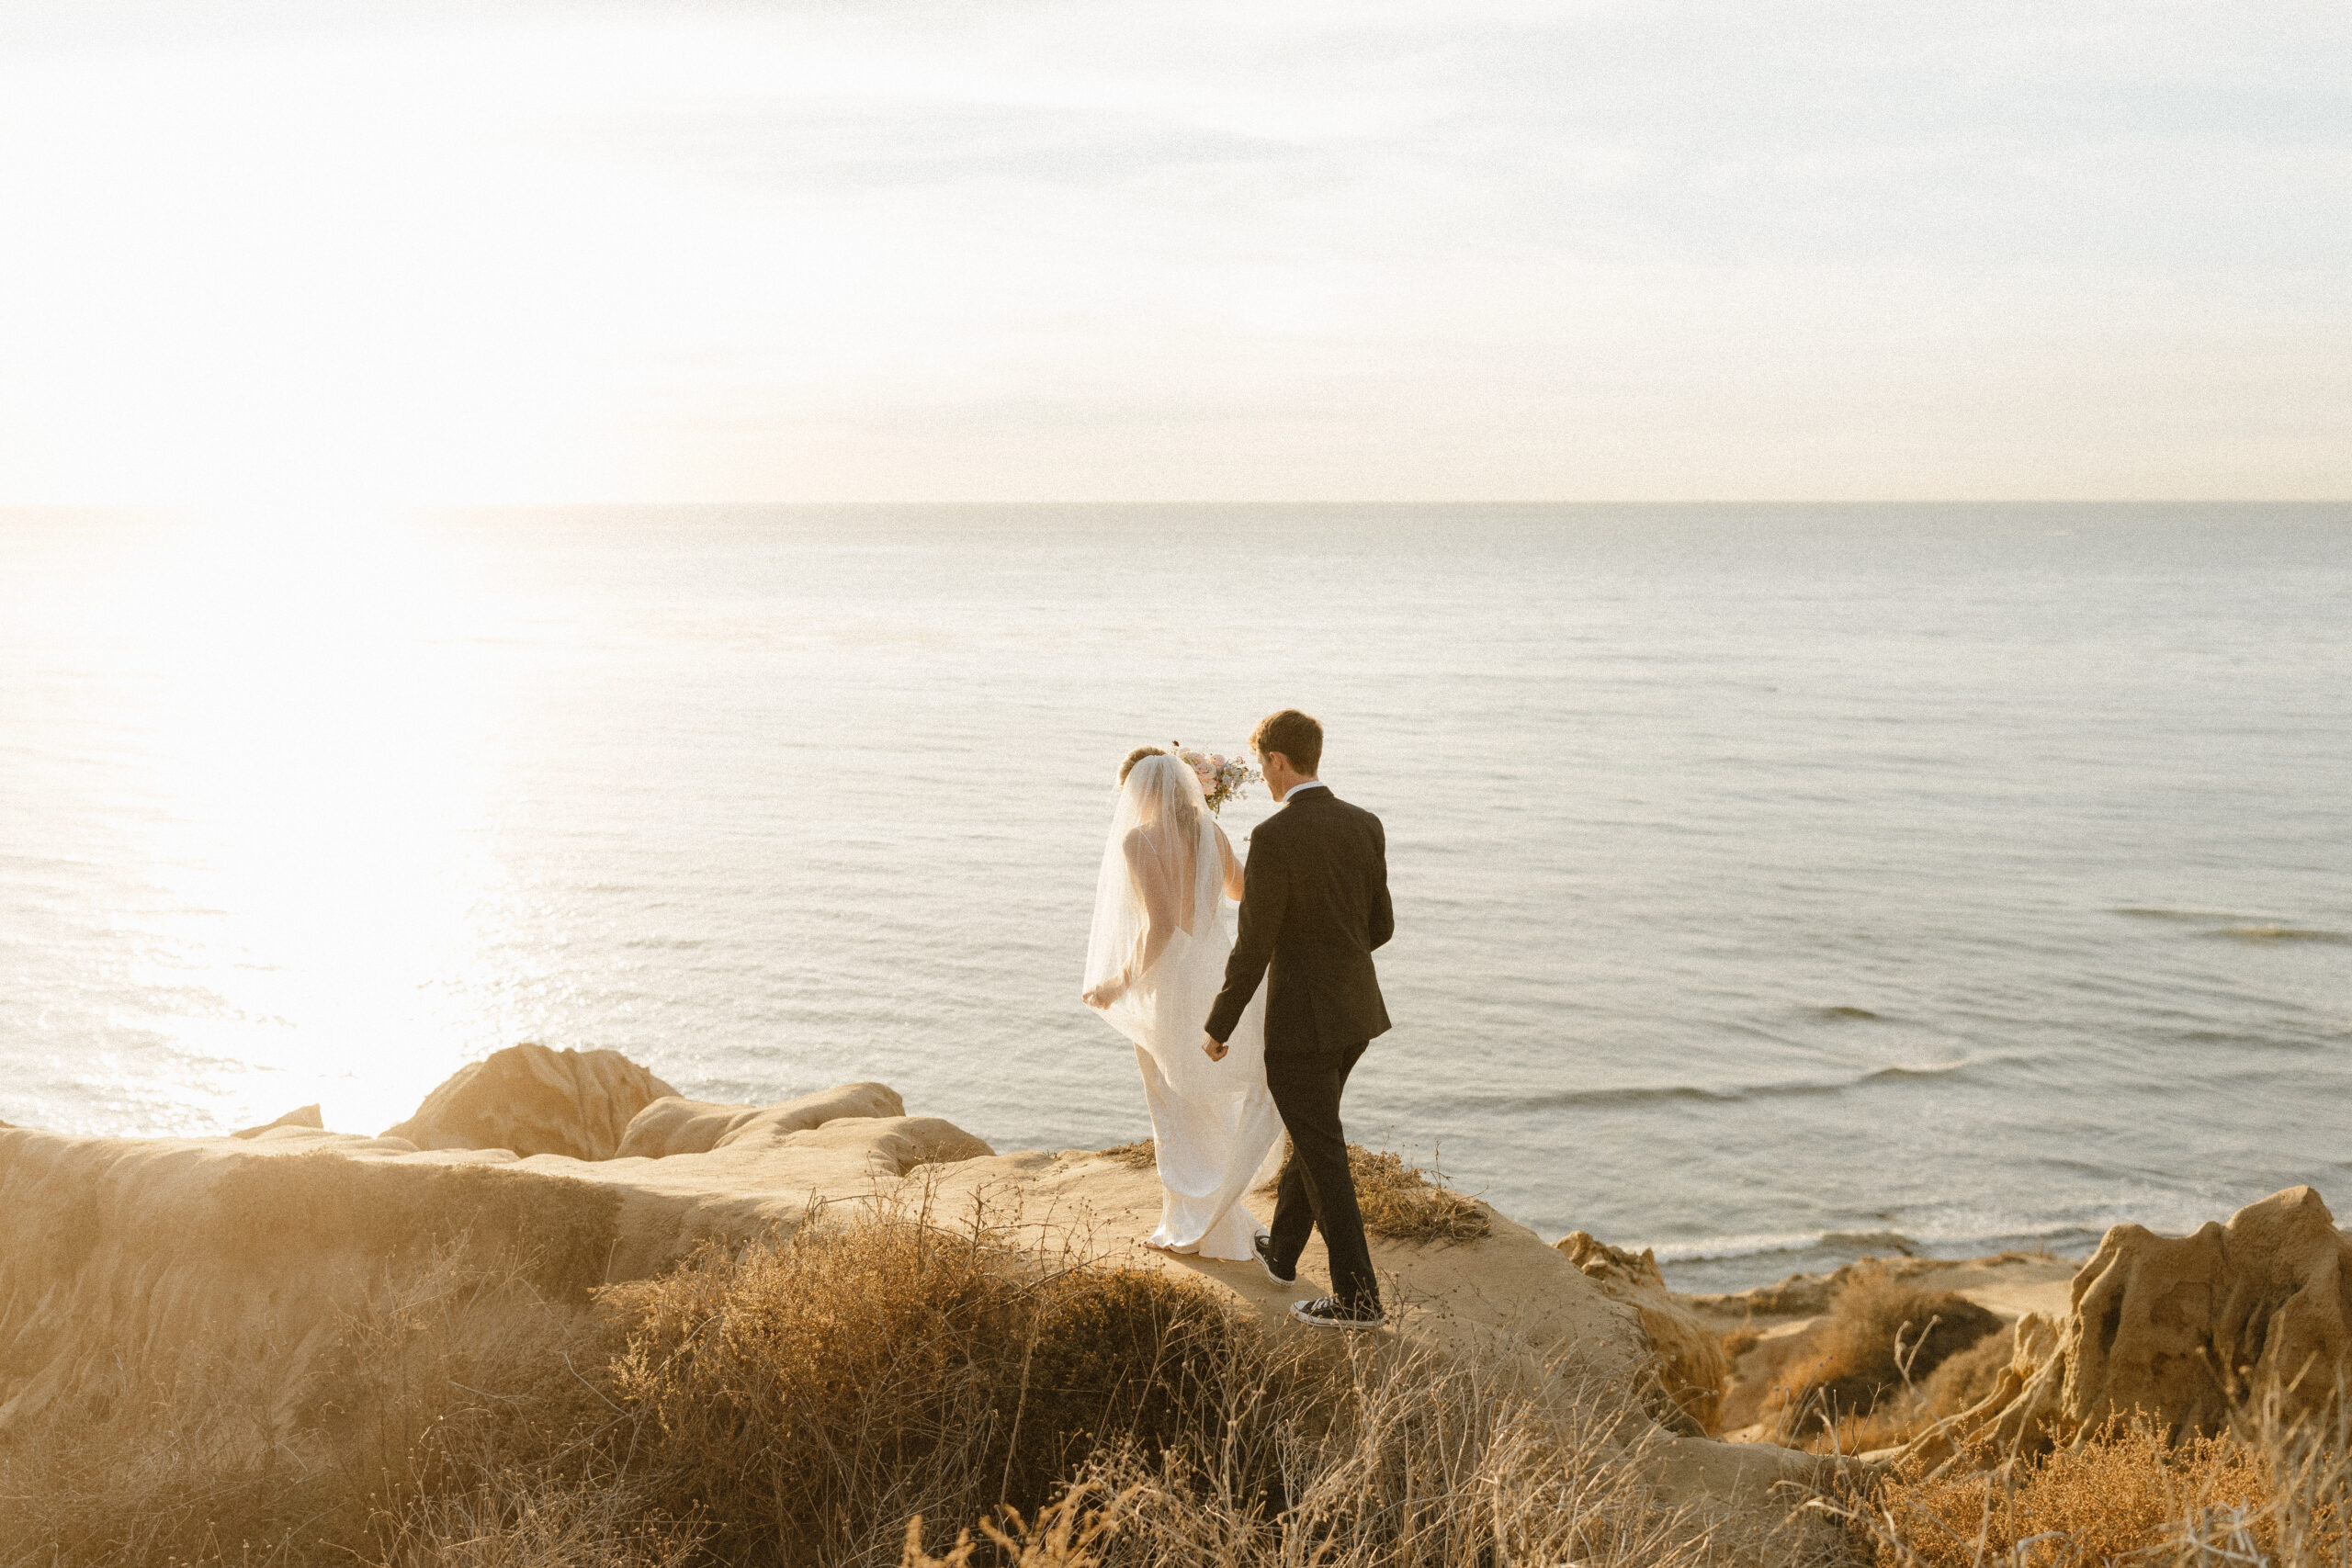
2191, 1330
1689, 1359
675, 1125
535, 1102
307, 1116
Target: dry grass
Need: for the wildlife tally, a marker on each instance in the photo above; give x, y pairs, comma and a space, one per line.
1883, 1337
1969, 1375
1400, 1201
448, 1377
1143, 1156
2131, 1494
822, 1388
799, 1402
1411, 1461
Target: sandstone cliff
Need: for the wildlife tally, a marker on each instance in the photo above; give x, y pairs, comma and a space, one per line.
584, 1170
2254, 1315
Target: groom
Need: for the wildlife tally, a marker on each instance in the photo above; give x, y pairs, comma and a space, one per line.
1314, 905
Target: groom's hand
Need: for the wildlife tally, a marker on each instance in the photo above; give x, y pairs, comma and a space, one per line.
1214, 1046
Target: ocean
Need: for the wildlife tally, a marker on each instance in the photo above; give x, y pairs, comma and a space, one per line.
1774, 885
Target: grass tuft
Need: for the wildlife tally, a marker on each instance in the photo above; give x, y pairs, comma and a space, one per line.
1884, 1336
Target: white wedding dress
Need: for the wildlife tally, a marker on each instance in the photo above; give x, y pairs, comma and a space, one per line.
1163, 931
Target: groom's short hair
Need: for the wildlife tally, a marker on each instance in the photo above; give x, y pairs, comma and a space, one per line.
1293, 734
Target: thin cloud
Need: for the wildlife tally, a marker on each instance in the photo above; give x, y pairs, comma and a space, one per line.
1054, 251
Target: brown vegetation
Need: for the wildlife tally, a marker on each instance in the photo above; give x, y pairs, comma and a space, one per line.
2131, 1494
1401, 1203
1884, 1337
799, 1402
1140, 1156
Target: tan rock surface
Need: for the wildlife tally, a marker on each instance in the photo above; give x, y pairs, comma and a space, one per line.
263, 1243
2009, 1283
2190, 1329
674, 1125
535, 1102
1687, 1355
307, 1116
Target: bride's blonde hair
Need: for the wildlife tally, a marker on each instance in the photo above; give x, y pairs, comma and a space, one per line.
1137, 755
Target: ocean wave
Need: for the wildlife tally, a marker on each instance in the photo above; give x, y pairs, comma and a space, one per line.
1666, 1094
1932, 1242
2241, 928
1721, 1248
1716, 1249
2284, 933
1921, 1070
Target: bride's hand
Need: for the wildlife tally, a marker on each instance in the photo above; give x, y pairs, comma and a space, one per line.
1104, 995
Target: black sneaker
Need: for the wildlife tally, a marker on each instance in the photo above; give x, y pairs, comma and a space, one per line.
1329, 1312
1264, 1248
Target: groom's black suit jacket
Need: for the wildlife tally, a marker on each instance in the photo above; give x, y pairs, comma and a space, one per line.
1314, 905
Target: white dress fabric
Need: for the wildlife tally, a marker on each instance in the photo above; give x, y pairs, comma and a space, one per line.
1162, 932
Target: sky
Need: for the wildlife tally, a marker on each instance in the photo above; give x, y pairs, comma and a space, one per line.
500, 252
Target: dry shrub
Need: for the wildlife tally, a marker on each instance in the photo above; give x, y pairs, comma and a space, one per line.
2129, 1493
1883, 1336
573, 1525
1967, 1376
1070, 1534
1400, 1201
821, 1389
1408, 1458
1143, 1156
2275, 1492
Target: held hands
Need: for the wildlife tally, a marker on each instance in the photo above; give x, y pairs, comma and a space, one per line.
1213, 1047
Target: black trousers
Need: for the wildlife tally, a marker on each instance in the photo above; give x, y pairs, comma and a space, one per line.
1316, 1191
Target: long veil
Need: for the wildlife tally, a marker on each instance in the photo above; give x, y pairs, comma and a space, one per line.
1155, 909
1160, 945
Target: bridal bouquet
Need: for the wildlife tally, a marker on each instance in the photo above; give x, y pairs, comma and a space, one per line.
1221, 777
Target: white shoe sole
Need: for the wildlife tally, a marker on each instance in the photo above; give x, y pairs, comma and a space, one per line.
1380, 1321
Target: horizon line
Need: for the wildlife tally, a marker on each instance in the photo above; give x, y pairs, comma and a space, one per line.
182, 507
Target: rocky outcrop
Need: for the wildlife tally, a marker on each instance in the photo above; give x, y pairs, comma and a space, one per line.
535, 1102
113, 1252
2003, 1278
1689, 1357
2192, 1330
307, 1116
675, 1125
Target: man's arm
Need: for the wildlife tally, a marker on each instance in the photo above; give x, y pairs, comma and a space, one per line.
1265, 894
1384, 918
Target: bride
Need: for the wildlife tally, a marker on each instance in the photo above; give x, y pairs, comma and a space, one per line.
1154, 965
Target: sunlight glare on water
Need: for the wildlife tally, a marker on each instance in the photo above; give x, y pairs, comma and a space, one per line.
303, 803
